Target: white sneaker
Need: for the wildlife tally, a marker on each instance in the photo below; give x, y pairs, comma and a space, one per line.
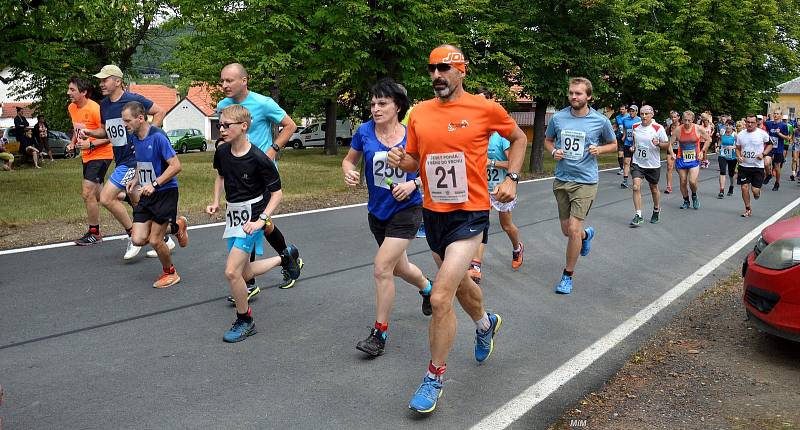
132, 251
170, 244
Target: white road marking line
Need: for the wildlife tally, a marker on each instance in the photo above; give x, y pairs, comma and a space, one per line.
533, 395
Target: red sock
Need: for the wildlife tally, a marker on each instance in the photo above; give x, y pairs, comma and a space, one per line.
170, 269
436, 372
383, 327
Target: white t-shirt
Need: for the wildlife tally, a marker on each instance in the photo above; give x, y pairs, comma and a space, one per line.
645, 153
750, 145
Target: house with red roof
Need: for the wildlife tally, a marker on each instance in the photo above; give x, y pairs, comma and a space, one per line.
162, 95
9, 111
197, 110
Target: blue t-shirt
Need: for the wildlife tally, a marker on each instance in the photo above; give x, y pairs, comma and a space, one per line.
627, 124
773, 127
152, 154
620, 123
111, 117
264, 113
574, 135
498, 145
728, 148
381, 202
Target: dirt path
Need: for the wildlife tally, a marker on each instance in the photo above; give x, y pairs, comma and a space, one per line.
708, 369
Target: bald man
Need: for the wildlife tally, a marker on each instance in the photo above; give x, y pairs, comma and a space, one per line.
265, 114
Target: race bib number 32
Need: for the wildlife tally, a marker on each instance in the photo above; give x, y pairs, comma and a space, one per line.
115, 129
447, 177
573, 143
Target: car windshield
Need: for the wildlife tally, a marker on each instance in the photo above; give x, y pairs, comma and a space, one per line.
176, 133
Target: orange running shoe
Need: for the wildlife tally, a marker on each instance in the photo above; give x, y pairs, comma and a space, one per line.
475, 270
182, 235
517, 257
167, 280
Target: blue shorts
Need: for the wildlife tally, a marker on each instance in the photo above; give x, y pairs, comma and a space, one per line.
253, 240
680, 164
122, 175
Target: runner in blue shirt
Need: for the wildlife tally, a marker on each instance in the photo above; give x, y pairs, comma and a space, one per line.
264, 114
112, 87
778, 132
395, 205
618, 127
155, 213
627, 135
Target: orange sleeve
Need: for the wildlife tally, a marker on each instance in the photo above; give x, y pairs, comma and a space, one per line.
411, 140
501, 121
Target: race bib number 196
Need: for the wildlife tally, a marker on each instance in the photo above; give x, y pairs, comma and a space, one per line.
447, 177
115, 129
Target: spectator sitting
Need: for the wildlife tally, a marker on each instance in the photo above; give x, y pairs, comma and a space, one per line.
27, 145
6, 157
40, 134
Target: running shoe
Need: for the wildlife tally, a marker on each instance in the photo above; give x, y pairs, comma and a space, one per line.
288, 282
132, 250
421, 231
685, 204
182, 235
239, 331
655, 218
475, 271
776, 186
586, 244
427, 394
167, 280
374, 344
720, 195
730, 191
624, 184
170, 244
637, 221
251, 292
517, 257
427, 309
484, 341
767, 179
791, 177
292, 268
695, 202
620, 172
565, 285
668, 190
89, 239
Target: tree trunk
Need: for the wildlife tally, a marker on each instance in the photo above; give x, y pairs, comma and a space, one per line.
330, 127
536, 165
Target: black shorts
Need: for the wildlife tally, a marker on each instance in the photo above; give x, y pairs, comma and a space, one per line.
627, 151
777, 157
43, 144
160, 207
402, 225
651, 175
95, 170
751, 175
444, 228
620, 143
726, 166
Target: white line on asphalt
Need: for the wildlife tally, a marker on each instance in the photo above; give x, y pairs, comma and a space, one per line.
536, 393
215, 224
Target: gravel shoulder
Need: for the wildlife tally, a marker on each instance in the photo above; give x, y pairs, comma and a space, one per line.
709, 368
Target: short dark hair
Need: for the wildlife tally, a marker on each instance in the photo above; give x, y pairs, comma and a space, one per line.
135, 108
387, 87
81, 84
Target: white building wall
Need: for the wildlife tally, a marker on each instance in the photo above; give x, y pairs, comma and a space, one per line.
186, 115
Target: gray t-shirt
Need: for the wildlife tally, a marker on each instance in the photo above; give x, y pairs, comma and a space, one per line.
574, 135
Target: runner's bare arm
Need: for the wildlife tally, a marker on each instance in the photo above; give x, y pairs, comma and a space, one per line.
98, 133
173, 168
610, 146
398, 157
351, 175
158, 115
516, 152
550, 147
274, 200
219, 183
705, 138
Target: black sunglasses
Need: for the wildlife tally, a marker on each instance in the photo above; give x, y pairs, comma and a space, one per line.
228, 125
442, 67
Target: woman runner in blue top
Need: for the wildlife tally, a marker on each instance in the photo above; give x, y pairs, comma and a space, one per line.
727, 158
395, 204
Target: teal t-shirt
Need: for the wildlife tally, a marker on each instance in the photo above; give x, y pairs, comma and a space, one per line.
498, 145
574, 135
264, 113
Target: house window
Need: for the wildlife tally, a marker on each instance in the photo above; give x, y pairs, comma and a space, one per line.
791, 113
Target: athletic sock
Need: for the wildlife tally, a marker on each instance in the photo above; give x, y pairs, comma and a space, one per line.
435, 372
170, 269
173, 228
568, 272
585, 235
94, 229
247, 316
383, 328
483, 324
624, 178
275, 239
518, 248
619, 160
694, 194
639, 212
427, 290
656, 210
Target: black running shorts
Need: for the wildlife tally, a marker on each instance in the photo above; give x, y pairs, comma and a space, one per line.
402, 225
160, 207
444, 228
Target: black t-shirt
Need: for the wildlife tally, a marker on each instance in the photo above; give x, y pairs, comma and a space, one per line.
247, 177
24, 142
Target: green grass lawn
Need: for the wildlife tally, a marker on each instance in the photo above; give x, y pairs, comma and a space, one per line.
31, 196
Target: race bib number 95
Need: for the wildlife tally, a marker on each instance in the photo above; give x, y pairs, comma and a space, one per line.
447, 177
573, 143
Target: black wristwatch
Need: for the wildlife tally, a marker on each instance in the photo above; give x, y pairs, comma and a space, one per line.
154, 184
276, 147
514, 177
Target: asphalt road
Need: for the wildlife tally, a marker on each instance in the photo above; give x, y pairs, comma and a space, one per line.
87, 343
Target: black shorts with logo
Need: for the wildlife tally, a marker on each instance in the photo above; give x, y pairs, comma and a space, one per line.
777, 157
402, 225
627, 151
444, 228
751, 175
651, 175
95, 170
160, 207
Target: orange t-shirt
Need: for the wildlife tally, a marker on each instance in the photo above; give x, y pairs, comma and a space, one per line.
88, 117
452, 141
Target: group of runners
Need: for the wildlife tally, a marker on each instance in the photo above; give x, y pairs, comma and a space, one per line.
458, 156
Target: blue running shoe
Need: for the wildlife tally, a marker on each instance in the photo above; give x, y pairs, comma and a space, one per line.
425, 397
484, 342
565, 286
240, 331
293, 263
421, 231
586, 244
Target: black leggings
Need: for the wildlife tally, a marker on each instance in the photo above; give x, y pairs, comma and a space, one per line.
726, 165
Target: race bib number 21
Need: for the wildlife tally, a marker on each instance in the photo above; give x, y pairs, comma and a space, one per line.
447, 177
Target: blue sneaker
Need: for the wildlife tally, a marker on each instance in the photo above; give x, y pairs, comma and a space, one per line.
565, 286
586, 244
240, 331
293, 264
421, 231
484, 342
427, 394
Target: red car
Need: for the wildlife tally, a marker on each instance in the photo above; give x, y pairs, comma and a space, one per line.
772, 280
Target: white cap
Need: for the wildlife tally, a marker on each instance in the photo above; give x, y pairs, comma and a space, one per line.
760, 116
786, 117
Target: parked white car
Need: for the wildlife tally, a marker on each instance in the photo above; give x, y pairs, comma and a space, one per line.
314, 134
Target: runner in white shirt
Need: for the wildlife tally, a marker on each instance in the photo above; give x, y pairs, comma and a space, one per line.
648, 139
752, 145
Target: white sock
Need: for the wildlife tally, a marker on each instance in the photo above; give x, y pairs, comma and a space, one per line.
639, 212
518, 248
483, 324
